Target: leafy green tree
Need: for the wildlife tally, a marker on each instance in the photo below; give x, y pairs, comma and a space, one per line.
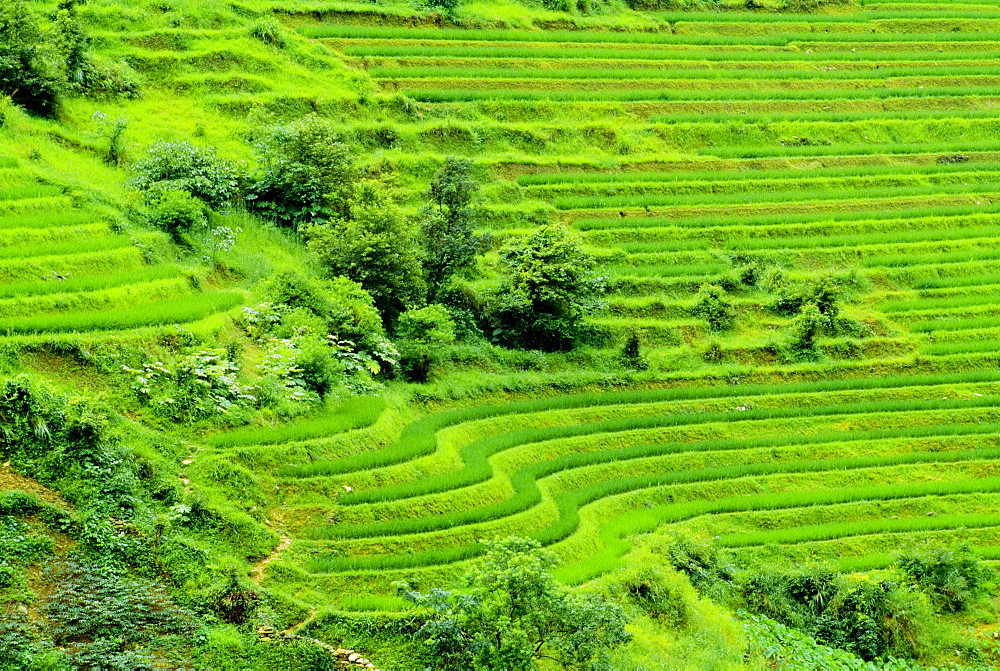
422, 334
515, 614
25, 74
447, 230
550, 287
377, 248
309, 174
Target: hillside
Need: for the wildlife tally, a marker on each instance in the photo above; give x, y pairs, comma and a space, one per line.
304, 305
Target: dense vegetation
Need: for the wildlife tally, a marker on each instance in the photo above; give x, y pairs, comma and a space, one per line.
632, 335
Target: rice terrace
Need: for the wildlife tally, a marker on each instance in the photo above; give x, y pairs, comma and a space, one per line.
507, 334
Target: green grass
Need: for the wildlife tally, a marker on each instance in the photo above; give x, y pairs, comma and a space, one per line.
355, 413
419, 439
174, 311
64, 248
89, 283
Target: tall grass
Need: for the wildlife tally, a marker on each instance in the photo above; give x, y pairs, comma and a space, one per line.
47, 220
946, 349
612, 51
948, 303
584, 37
613, 534
610, 72
527, 494
866, 149
173, 311
496, 93
823, 532
475, 456
955, 324
714, 174
62, 248
30, 191
89, 283
419, 438
569, 503
829, 194
960, 281
774, 220
355, 413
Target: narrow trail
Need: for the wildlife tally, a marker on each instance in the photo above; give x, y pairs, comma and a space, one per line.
257, 572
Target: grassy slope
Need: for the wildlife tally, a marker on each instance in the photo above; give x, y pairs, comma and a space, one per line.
208, 79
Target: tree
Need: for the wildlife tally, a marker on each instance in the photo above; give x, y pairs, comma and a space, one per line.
450, 245
309, 174
422, 334
550, 288
514, 614
185, 167
25, 75
377, 248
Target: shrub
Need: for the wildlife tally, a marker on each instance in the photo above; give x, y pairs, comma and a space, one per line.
422, 334
631, 354
309, 174
175, 211
515, 613
953, 579
378, 249
447, 229
24, 73
183, 166
712, 306
550, 288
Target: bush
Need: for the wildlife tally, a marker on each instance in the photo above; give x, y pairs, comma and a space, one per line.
24, 73
182, 166
422, 334
550, 288
175, 211
954, 579
309, 174
712, 306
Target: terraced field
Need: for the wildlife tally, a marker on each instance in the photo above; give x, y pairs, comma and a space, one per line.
66, 267
862, 146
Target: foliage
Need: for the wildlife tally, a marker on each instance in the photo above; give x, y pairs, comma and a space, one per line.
447, 227
25, 74
701, 561
101, 602
514, 614
954, 579
631, 355
712, 306
785, 647
548, 289
378, 249
174, 211
869, 617
201, 385
113, 132
185, 167
309, 174
235, 602
422, 333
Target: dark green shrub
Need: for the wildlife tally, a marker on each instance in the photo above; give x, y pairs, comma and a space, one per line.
309, 174
24, 74
550, 288
175, 211
712, 306
631, 354
182, 166
954, 579
422, 334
